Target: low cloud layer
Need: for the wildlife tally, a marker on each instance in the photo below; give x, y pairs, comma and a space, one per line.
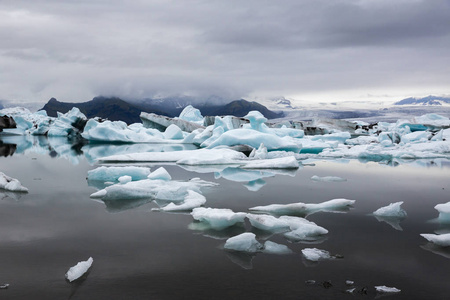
75, 50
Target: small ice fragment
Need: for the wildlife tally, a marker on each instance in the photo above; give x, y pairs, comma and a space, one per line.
245, 242
310, 282
191, 201
79, 269
11, 184
314, 254
4, 286
328, 178
444, 212
442, 240
386, 289
125, 179
350, 291
274, 248
160, 174
217, 218
392, 210
349, 282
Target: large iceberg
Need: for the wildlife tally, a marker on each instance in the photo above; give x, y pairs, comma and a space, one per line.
11, 184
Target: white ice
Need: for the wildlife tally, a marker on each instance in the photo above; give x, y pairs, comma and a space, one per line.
217, 218
444, 212
302, 229
191, 114
11, 184
79, 269
267, 222
245, 242
62, 126
113, 173
334, 205
442, 240
288, 162
274, 248
392, 210
314, 254
328, 178
160, 174
386, 289
154, 189
191, 201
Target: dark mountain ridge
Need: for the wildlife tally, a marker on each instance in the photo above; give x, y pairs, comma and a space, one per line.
116, 109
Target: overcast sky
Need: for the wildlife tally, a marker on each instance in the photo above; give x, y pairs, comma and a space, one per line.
309, 50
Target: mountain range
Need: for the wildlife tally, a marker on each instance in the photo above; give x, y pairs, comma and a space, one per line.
429, 100
114, 109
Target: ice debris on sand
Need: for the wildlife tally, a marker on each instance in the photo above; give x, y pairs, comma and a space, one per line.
393, 210
79, 269
442, 240
11, 184
217, 218
386, 289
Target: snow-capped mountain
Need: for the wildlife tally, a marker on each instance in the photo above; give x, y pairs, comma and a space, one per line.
425, 101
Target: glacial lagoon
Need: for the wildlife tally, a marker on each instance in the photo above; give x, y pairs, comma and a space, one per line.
140, 253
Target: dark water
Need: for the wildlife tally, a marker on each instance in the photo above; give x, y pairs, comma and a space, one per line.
143, 254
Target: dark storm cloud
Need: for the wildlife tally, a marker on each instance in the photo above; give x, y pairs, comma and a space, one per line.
74, 50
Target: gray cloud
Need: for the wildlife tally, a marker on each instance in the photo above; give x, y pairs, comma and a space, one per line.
75, 50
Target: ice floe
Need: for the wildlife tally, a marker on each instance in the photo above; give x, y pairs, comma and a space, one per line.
11, 184
442, 240
393, 210
113, 173
386, 289
245, 242
328, 178
444, 212
275, 248
217, 218
334, 205
314, 254
79, 269
191, 201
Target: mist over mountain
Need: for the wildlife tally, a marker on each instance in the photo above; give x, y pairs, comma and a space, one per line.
429, 100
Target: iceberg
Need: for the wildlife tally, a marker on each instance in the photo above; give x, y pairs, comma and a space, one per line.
386, 289
68, 124
393, 210
245, 242
314, 254
444, 212
191, 114
113, 173
153, 189
191, 201
79, 269
11, 184
217, 218
274, 248
328, 178
288, 162
268, 223
302, 209
302, 229
160, 174
442, 240
154, 121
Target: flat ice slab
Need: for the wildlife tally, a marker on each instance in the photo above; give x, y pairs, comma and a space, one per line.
314, 254
191, 201
11, 184
217, 218
442, 240
79, 269
386, 289
328, 178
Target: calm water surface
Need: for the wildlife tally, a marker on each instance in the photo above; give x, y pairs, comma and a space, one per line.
142, 254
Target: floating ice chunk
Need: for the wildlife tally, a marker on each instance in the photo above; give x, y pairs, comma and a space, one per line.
64, 124
11, 184
125, 179
173, 132
252, 138
217, 218
433, 120
314, 254
4, 286
444, 212
245, 242
334, 205
191, 201
274, 248
386, 289
302, 229
442, 240
79, 269
113, 173
191, 114
267, 222
417, 136
288, 162
260, 153
392, 210
328, 178
153, 189
160, 174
